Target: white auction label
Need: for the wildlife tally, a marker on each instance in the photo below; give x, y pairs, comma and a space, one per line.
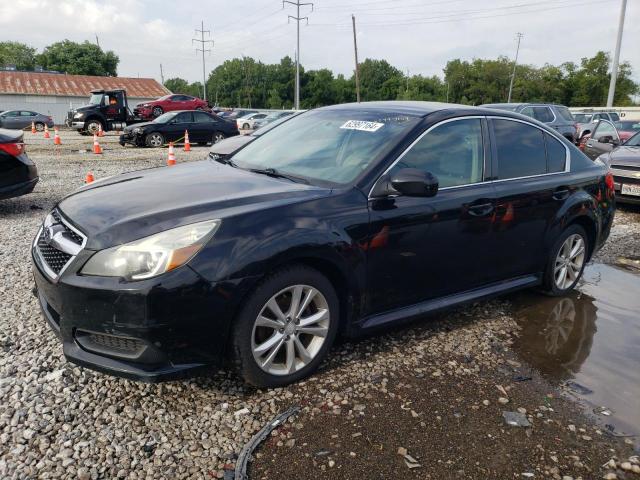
362, 125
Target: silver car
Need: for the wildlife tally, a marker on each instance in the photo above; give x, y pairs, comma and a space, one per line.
21, 119
588, 120
557, 117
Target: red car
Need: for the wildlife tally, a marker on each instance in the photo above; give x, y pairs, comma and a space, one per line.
169, 103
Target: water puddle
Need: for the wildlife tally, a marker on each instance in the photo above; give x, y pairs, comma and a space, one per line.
589, 342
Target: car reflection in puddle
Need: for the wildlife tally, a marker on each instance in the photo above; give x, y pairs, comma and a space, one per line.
589, 342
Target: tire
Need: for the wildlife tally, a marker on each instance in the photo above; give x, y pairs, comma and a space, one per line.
279, 334
563, 259
157, 111
39, 126
246, 126
218, 137
93, 126
154, 140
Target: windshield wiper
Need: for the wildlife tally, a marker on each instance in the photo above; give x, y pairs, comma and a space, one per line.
272, 172
223, 160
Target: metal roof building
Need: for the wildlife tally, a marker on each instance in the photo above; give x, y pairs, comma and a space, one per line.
54, 94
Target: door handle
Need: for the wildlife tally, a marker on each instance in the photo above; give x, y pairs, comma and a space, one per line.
481, 209
561, 193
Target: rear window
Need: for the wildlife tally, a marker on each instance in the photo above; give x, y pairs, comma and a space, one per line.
614, 116
556, 154
582, 117
520, 148
565, 114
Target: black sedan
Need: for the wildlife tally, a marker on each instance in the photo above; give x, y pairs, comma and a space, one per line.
340, 221
18, 174
624, 162
203, 128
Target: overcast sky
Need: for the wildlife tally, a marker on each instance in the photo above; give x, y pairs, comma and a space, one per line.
415, 35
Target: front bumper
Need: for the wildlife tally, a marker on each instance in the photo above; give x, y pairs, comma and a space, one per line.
131, 139
152, 330
621, 178
77, 125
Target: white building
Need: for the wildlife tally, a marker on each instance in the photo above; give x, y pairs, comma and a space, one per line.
54, 94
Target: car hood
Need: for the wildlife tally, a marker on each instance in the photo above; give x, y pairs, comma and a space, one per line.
126, 207
624, 155
137, 125
86, 108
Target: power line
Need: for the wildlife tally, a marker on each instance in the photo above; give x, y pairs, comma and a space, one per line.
203, 43
297, 18
515, 62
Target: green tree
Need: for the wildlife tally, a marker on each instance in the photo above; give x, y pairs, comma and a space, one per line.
19, 54
379, 80
79, 59
180, 85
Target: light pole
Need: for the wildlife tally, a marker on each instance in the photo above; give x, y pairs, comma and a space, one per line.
515, 62
616, 56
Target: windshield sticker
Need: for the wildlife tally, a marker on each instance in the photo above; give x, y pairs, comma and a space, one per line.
362, 125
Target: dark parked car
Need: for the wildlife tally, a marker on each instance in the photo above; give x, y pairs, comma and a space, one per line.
203, 128
169, 103
342, 220
624, 162
557, 117
18, 174
21, 119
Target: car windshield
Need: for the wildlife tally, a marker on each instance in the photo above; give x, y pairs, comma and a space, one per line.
95, 99
628, 125
270, 126
165, 117
565, 114
333, 146
633, 141
582, 117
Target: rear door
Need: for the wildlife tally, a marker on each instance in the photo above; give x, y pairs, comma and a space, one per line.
425, 248
203, 127
531, 183
603, 139
26, 118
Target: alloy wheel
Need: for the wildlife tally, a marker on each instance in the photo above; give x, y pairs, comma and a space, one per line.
155, 140
93, 127
290, 330
218, 137
569, 261
157, 111
40, 127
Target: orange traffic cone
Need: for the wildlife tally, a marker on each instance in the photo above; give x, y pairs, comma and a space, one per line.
100, 131
46, 132
89, 178
97, 149
56, 137
187, 145
172, 156
33, 127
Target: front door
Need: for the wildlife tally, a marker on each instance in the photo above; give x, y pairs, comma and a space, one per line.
424, 248
603, 139
182, 122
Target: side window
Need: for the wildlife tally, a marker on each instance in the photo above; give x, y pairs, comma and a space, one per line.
604, 129
556, 154
184, 117
175, 98
202, 117
528, 111
27, 114
14, 113
543, 114
453, 152
614, 116
520, 148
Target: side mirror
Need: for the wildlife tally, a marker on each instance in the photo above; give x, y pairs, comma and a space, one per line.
415, 183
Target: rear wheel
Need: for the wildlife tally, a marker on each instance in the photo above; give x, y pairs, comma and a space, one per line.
246, 126
39, 126
218, 137
286, 327
567, 261
157, 111
155, 140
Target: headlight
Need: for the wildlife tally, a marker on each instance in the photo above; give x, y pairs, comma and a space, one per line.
78, 115
137, 130
154, 255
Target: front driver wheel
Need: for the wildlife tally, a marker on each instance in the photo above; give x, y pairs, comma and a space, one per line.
154, 140
286, 327
567, 261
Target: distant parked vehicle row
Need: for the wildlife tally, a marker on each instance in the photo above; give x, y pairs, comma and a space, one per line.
20, 119
606, 136
169, 103
587, 121
555, 116
203, 128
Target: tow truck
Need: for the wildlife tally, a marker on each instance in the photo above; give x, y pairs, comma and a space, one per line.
107, 109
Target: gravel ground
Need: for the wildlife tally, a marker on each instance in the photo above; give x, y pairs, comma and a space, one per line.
61, 421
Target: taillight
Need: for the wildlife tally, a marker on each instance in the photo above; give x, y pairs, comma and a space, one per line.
14, 149
608, 180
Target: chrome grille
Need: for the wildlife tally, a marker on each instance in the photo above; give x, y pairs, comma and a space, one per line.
57, 244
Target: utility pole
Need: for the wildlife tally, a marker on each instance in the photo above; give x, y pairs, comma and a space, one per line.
515, 62
355, 50
161, 75
297, 18
616, 56
97, 40
203, 44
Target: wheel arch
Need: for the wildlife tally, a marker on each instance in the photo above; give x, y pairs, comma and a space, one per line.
589, 225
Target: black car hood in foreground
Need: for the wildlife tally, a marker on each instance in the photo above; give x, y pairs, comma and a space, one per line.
138, 125
624, 155
134, 205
